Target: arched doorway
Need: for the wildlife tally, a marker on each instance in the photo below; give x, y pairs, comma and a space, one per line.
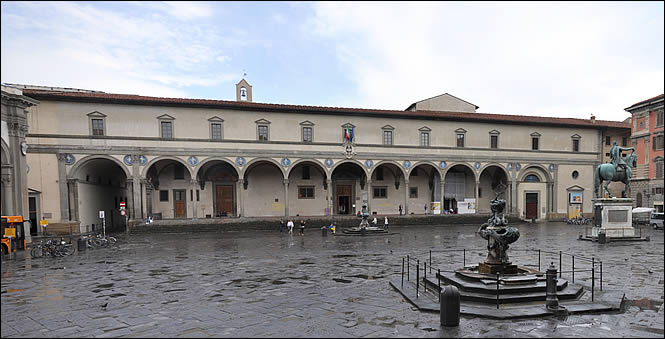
348, 180
533, 192
264, 189
460, 185
493, 179
424, 184
98, 184
307, 189
168, 182
218, 195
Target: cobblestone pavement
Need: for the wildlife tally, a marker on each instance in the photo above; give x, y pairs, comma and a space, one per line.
270, 284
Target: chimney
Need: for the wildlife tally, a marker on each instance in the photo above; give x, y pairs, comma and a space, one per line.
593, 118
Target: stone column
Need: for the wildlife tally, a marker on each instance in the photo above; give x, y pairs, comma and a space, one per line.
368, 185
129, 206
135, 207
508, 196
144, 199
330, 196
192, 198
62, 185
73, 198
443, 197
406, 196
476, 195
513, 192
239, 189
286, 197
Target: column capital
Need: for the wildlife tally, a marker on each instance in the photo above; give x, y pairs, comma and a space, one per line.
286, 181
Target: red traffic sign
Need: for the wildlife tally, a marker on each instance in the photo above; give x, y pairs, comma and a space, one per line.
123, 212
122, 204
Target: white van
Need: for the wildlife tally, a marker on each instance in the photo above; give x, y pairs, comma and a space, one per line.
656, 220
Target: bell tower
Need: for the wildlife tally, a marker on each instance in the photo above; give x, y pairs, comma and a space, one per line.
243, 91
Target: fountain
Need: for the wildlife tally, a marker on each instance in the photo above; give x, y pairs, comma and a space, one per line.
364, 227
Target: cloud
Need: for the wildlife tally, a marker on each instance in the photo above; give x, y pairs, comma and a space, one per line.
511, 58
112, 48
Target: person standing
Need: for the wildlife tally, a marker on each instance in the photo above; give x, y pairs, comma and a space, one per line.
289, 225
385, 223
374, 222
400, 210
281, 225
302, 227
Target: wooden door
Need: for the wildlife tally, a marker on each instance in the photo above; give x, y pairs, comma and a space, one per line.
532, 205
180, 203
224, 205
344, 199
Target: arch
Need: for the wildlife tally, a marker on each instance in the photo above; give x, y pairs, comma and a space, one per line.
202, 163
7, 160
254, 162
352, 161
73, 172
482, 169
539, 170
386, 162
150, 163
424, 163
314, 162
449, 167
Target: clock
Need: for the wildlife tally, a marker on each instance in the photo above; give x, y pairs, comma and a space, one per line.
24, 148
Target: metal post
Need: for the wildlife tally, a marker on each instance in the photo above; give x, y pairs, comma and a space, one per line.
425, 274
402, 272
464, 249
539, 260
573, 269
408, 270
593, 275
560, 264
497, 291
430, 261
438, 279
417, 277
601, 275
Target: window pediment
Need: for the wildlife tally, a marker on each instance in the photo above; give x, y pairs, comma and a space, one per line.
306, 123
535, 135
388, 128
165, 117
96, 114
494, 132
425, 129
348, 124
460, 130
575, 188
576, 136
216, 119
262, 121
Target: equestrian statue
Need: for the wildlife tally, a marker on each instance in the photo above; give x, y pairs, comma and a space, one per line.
617, 169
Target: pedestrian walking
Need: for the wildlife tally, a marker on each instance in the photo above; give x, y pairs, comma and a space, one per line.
425, 208
374, 222
281, 225
385, 223
289, 225
302, 227
400, 210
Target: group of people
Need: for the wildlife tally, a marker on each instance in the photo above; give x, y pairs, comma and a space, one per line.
385, 222
289, 226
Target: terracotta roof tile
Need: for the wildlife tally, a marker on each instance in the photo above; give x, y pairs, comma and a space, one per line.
647, 100
435, 115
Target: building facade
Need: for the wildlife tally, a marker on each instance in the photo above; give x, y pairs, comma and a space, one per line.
193, 158
647, 138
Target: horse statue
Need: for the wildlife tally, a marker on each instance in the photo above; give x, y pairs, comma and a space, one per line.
609, 172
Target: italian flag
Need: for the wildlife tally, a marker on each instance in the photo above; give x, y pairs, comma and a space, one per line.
348, 134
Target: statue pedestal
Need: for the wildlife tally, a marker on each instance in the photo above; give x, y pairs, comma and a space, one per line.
613, 221
505, 268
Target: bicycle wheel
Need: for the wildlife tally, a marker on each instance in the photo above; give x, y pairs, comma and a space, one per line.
69, 249
103, 242
112, 240
36, 252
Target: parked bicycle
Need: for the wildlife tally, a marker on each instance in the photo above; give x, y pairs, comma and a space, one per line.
52, 247
99, 241
579, 221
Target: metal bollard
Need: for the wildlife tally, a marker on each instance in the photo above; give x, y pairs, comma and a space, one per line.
81, 244
450, 306
551, 300
324, 231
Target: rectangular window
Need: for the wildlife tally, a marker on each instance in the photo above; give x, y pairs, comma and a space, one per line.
263, 133
659, 170
216, 131
424, 139
494, 141
379, 173
178, 171
167, 129
460, 140
97, 127
413, 192
305, 172
305, 192
658, 142
624, 141
306, 134
576, 145
659, 118
380, 192
191, 195
534, 144
163, 195
198, 196
387, 137
607, 140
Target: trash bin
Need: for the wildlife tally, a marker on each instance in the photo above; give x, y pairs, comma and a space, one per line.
81, 244
324, 231
602, 237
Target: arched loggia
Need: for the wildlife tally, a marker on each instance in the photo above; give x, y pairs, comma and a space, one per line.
349, 181
460, 184
424, 184
308, 188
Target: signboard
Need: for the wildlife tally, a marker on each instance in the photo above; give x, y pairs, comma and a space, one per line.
467, 206
10, 232
43, 222
101, 214
576, 197
122, 205
123, 212
436, 207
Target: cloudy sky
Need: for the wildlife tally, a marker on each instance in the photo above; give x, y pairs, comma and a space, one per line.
561, 59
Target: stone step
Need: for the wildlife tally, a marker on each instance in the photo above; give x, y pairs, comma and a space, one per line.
481, 287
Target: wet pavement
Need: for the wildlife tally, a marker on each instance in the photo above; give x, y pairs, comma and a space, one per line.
271, 284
